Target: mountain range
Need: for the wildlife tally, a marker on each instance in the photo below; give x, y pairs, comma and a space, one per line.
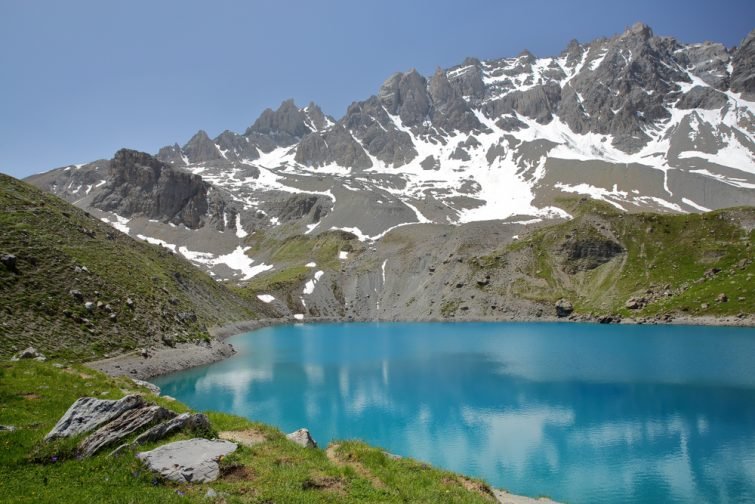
639, 121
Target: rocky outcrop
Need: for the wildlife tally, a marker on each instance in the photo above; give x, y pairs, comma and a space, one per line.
190, 461
587, 250
139, 184
564, 308
88, 413
743, 64
123, 426
302, 438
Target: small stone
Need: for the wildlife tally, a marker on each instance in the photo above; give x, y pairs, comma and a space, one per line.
722, 298
76, 294
9, 261
704, 306
89, 306
211, 494
302, 438
129, 302
7, 428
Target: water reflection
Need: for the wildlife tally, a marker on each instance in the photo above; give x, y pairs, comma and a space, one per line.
634, 414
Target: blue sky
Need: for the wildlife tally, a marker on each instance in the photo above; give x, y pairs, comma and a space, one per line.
81, 79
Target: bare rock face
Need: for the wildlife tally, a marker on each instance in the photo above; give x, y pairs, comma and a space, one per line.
405, 95
200, 148
191, 461
126, 424
587, 251
302, 438
284, 126
450, 111
139, 184
88, 413
742, 76
335, 145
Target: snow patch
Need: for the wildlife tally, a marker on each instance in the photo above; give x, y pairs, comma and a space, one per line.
309, 287
266, 298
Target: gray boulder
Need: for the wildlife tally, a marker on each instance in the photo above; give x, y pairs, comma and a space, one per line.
563, 308
123, 426
88, 413
29, 353
302, 438
194, 460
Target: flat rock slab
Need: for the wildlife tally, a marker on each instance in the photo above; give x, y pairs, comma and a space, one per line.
88, 413
195, 460
503, 497
116, 431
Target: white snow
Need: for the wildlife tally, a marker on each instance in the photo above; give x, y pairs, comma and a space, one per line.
118, 222
236, 260
695, 205
343, 255
311, 265
266, 298
156, 241
299, 316
240, 230
309, 287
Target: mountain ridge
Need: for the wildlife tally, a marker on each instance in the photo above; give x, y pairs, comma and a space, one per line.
642, 122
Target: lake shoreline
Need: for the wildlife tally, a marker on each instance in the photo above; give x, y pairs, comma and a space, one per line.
148, 363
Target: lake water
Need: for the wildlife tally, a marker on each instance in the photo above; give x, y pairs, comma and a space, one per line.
582, 413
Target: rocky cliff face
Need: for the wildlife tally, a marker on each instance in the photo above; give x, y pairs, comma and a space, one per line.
140, 184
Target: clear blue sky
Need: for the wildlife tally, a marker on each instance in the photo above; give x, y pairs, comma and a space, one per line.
81, 79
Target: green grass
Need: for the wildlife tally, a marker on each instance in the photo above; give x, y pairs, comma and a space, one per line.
53, 241
34, 395
662, 253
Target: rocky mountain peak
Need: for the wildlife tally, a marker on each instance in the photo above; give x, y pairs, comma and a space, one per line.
317, 119
200, 148
286, 124
638, 30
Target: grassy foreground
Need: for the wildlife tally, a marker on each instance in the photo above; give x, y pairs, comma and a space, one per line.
33, 395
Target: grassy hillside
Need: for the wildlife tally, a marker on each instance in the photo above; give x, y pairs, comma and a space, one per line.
81, 289
668, 263
34, 395
291, 256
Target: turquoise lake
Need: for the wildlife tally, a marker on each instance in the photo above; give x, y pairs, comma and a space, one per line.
579, 412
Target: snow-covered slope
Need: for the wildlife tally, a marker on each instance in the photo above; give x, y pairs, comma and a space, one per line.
637, 120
